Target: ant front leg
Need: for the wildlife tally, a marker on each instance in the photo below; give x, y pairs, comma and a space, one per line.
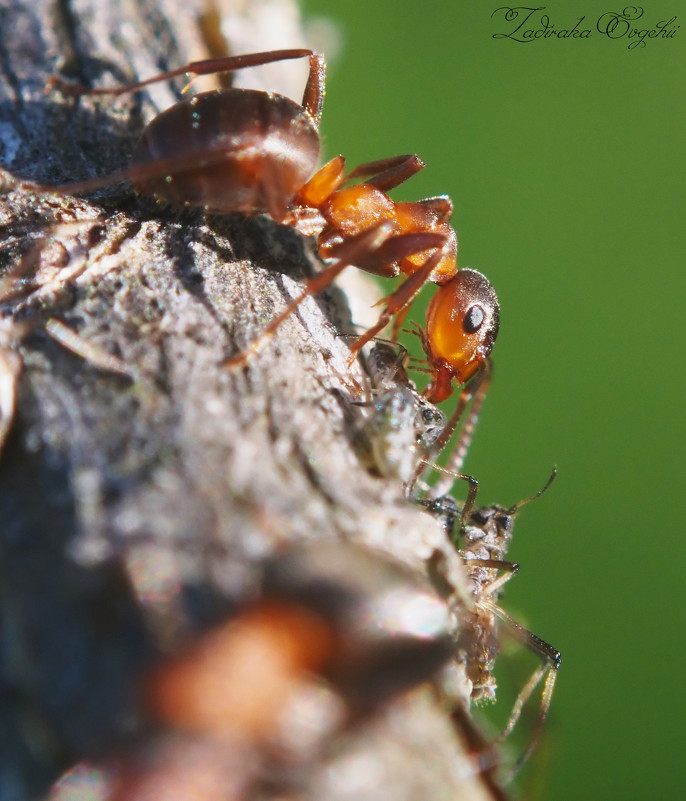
473, 393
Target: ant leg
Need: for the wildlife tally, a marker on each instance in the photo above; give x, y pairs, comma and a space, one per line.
387, 173
224, 64
476, 389
394, 249
442, 205
404, 294
548, 669
313, 96
379, 243
398, 323
347, 253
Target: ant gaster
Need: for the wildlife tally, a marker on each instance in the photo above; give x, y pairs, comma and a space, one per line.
252, 152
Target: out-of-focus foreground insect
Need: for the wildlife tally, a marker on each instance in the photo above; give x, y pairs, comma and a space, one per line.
252, 152
336, 634
483, 536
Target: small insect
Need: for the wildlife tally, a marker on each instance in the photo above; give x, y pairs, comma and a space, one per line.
400, 425
483, 537
251, 152
336, 634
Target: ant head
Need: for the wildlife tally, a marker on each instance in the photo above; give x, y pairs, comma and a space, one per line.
461, 326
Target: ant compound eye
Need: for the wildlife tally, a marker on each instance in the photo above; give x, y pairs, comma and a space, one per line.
473, 320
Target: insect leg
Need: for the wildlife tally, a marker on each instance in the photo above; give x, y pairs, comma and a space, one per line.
386, 174
547, 671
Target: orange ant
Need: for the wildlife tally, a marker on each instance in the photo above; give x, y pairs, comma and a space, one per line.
251, 152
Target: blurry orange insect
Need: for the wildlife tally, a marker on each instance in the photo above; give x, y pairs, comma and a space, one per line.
337, 629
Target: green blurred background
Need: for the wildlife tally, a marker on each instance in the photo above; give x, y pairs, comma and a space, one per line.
564, 158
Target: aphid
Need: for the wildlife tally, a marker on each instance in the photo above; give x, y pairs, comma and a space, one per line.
400, 425
251, 152
331, 620
483, 537
385, 365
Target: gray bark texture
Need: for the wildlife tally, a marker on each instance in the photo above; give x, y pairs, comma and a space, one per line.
142, 484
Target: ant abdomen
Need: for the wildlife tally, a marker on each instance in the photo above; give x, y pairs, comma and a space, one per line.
218, 150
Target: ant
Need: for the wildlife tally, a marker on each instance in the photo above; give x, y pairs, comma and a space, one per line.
301, 656
252, 152
484, 536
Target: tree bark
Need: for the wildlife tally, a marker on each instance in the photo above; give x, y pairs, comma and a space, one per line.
140, 491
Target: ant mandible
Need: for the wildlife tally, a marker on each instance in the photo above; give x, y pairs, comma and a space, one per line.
252, 152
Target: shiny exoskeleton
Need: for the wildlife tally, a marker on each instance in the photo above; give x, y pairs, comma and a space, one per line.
251, 152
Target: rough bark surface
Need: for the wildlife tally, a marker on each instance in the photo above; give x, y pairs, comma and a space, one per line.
135, 509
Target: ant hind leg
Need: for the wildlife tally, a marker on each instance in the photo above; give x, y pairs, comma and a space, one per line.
312, 99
